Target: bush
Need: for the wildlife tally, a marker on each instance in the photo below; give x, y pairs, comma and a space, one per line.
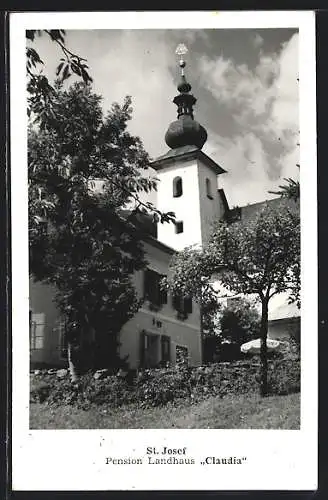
158, 387
285, 378
40, 392
239, 322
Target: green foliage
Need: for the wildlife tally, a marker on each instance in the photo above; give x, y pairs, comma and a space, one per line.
41, 93
80, 241
290, 190
259, 255
286, 377
153, 388
190, 274
239, 322
40, 392
159, 387
210, 316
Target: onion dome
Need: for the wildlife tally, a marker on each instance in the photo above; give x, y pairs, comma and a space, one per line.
185, 131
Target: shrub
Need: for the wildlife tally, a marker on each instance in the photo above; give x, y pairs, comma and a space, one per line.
239, 322
285, 378
40, 392
158, 387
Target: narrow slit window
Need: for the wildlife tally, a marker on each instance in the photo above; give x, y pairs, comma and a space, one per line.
177, 187
208, 189
179, 227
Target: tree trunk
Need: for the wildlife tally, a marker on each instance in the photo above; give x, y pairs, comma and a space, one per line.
201, 311
72, 362
264, 350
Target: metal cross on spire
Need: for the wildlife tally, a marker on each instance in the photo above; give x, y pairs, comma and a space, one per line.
181, 50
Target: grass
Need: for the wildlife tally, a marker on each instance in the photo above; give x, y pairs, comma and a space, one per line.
230, 412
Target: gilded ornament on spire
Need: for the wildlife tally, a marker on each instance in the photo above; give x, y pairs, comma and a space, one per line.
185, 131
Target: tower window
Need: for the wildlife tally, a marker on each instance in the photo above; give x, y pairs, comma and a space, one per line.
208, 189
177, 187
179, 227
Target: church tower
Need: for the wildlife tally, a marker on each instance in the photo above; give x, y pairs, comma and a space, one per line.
187, 176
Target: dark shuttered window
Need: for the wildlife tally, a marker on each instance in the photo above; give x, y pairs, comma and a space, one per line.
152, 288
177, 187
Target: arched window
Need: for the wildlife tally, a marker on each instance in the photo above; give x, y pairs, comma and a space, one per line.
177, 187
208, 189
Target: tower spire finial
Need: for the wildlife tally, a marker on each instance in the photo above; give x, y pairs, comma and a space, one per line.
185, 131
183, 86
181, 50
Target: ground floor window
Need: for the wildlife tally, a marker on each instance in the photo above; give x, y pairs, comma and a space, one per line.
37, 327
155, 350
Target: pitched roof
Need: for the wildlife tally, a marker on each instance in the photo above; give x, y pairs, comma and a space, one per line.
148, 228
185, 153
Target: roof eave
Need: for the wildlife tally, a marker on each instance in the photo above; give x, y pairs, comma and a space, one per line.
185, 155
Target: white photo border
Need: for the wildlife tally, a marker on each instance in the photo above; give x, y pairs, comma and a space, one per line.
75, 459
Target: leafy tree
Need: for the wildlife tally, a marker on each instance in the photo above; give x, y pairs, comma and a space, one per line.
260, 255
80, 240
210, 309
239, 322
189, 276
290, 190
41, 91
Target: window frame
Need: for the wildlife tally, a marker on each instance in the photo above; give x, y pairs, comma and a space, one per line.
183, 305
152, 289
33, 328
179, 224
208, 187
177, 187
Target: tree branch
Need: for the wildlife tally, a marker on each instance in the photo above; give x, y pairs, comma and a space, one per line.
234, 267
63, 47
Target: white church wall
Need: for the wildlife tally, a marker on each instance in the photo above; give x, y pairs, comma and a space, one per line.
186, 207
210, 207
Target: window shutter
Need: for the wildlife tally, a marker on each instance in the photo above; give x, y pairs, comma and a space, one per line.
165, 348
152, 288
187, 305
143, 339
176, 302
146, 283
163, 293
208, 189
155, 290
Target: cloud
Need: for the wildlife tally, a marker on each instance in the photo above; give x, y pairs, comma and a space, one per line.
247, 165
257, 40
256, 106
264, 104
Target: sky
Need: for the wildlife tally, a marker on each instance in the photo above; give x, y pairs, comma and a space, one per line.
245, 82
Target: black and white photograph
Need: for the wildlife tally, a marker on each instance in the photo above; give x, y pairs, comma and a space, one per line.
164, 183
